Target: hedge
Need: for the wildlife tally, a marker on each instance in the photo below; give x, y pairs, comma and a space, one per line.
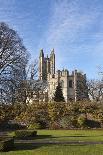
6, 143
25, 133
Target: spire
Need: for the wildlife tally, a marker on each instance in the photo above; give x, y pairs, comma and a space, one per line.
52, 52
41, 53
52, 62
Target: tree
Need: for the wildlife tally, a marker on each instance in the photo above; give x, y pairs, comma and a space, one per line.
81, 90
58, 96
26, 87
13, 61
32, 87
95, 89
32, 70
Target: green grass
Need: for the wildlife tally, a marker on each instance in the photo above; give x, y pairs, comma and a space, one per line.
60, 150
28, 148
75, 135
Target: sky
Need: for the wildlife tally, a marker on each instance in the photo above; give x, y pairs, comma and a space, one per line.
74, 28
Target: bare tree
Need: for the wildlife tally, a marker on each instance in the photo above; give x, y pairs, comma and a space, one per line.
31, 86
13, 61
32, 70
95, 89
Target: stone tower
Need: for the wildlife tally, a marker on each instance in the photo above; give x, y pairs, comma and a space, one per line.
52, 62
41, 65
46, 65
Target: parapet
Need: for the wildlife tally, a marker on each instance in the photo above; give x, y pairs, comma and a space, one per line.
78, 73
65, 72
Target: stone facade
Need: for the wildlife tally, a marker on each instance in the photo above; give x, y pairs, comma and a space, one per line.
73, 85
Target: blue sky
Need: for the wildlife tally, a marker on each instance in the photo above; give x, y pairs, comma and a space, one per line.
74, 28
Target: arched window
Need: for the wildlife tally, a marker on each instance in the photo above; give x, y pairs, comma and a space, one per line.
70, 84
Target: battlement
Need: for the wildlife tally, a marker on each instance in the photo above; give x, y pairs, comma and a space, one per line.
65, 73
78, 74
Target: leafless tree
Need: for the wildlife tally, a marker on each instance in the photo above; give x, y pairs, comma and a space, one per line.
31, 85
13, 61
32, 70
95, 89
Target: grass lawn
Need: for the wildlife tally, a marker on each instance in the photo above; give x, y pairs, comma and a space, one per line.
28, 148
60, 150
69, 135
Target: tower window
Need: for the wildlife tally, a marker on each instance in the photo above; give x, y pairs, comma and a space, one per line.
70, 84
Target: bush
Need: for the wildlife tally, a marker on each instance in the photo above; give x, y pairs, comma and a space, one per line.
82, 121
55, 125
65, 122
37, 125
6, 144
25, 133
34, 126
11, 126
93, 124
15, 126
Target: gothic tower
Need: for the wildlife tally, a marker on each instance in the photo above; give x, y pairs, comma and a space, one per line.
52, 62
41, 65
46, 65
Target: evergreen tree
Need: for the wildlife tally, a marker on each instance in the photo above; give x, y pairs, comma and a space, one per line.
58, 96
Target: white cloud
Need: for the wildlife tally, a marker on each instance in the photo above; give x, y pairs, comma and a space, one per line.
66, 22
67, 25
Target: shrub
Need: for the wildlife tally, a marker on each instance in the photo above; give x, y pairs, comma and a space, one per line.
11, 126
65, 122
43, 124
38, 125
93, 124
15, 126
82, 121
25, 133
74, 123
34, 126
6, 143
55, 125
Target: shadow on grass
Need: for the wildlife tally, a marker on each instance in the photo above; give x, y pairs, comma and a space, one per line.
26, 146
35, 137
29, 143
72, 136
49, 137
43, 136
32, 146
78, 136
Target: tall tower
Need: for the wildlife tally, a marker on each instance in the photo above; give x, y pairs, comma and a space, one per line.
52, 62
46, 65
41, 65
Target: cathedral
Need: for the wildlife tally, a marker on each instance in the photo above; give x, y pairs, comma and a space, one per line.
73, 84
